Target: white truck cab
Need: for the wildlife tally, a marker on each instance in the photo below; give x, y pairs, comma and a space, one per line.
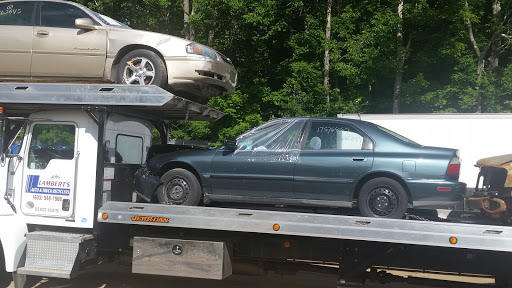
50, 176
57, 141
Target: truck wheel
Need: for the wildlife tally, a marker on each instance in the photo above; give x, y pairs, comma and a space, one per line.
180, 187
142, 67
382, 197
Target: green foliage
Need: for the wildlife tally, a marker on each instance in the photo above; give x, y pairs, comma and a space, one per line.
152, 15
54, 135
278, 49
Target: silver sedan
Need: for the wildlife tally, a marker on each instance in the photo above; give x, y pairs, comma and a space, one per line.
56, 40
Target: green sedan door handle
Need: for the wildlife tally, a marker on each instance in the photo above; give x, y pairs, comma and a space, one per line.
359, 159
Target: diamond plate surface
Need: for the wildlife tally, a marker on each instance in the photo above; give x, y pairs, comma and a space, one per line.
58, 236
53, 250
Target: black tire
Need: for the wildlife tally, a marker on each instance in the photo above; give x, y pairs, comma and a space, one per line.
382, 197
180, 187
2, 260
130, 70
5, 278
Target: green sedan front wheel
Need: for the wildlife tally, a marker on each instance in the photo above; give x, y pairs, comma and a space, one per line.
382, 197
180, 187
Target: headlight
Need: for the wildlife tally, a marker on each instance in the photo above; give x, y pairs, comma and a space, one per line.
194, 48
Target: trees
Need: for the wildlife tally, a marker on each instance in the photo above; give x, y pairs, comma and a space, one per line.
477, 48
323, 57
327, 48
488, 44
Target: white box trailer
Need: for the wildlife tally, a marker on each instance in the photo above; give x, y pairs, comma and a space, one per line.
476, 136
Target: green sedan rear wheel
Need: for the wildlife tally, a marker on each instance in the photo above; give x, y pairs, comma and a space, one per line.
382, 197
180, 187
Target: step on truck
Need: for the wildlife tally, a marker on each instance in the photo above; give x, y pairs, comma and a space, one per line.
68, 158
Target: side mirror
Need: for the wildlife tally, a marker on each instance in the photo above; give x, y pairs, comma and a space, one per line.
230, 144
85, 23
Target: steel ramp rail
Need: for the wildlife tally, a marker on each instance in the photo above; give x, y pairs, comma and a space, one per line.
22, 99
470, 236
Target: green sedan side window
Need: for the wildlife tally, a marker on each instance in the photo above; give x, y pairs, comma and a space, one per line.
330, 135
16, 13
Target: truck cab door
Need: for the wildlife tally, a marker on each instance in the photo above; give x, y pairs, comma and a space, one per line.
49, 177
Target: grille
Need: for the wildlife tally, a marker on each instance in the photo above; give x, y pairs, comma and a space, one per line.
210, 74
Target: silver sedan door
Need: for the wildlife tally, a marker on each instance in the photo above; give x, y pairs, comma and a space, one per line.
16, 32
64, 51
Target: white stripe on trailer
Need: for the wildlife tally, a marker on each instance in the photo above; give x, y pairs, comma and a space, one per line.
470, 236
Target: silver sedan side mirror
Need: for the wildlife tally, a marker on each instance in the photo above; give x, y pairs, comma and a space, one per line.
85, 23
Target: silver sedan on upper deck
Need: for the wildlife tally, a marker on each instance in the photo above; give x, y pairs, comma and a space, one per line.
65, 41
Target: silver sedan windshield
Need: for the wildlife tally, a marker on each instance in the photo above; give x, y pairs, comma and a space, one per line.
109, 21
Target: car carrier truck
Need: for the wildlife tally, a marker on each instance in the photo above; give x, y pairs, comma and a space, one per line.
68, 201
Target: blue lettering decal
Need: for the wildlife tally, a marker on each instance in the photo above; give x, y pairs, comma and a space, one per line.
33, 187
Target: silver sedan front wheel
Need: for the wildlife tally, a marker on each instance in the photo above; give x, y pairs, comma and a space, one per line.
139, 71
142, 67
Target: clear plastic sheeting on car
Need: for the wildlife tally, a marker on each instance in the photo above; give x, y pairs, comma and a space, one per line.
278, 139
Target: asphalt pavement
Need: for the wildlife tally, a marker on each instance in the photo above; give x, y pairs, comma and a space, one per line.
105, 276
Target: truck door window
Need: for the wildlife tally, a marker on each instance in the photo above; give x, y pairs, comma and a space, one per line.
128, 149
50, 141
12, 137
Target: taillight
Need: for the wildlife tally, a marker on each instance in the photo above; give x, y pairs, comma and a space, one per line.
454, 167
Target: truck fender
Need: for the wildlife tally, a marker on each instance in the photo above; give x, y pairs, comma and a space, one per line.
13, 232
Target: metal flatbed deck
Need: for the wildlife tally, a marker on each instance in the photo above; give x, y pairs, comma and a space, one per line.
470, 236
